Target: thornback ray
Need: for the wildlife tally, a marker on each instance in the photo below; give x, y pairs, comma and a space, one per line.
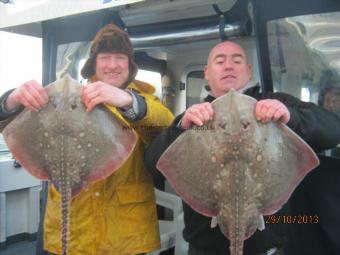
236, 168
67, 145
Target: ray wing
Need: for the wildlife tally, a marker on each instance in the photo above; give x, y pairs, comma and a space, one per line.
191, 172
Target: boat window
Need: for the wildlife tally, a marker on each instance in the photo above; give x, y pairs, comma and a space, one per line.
305, 57
197, 88
71, 58
20, 61
153, 78
4, 151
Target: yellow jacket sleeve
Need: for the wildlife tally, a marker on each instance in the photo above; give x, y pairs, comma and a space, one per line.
157, 117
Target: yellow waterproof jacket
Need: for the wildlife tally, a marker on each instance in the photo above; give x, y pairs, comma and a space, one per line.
117, 215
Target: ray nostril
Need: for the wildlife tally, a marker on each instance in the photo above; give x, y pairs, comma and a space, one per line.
245, 124
73, 106
222, 125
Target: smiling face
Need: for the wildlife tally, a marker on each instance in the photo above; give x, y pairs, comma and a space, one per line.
112, 68
227, 68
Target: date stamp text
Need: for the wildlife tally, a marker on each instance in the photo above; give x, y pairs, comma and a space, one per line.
292, 219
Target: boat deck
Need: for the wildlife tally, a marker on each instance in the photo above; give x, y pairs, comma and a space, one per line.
19, 248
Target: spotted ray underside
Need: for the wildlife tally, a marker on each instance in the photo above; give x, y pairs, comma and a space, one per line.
236, 168
67, 145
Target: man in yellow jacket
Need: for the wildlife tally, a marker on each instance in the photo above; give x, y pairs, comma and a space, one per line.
117, 215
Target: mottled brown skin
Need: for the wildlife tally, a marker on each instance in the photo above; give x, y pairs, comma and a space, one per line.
236, 168
68, 145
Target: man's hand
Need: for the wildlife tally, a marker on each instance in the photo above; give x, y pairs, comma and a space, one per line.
271, 110
197, 114
31, 94
100, 92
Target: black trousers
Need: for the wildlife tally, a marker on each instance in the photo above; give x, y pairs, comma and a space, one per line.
196, 251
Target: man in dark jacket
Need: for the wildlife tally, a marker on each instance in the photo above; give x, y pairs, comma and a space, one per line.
228, 68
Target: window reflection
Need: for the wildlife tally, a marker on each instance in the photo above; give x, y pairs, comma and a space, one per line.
71, 58
329, 98
304, 54
305, 59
